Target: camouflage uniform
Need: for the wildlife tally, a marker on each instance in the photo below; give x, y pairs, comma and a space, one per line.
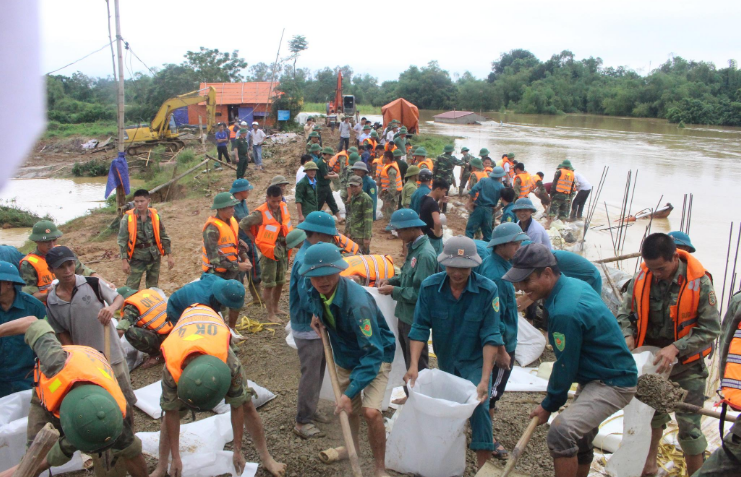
345, 174
390, 196
28, 274
465, 172
359, 224
560, 203
660, 332
444, 168
144, 260
211, 244
144, 340
273, 271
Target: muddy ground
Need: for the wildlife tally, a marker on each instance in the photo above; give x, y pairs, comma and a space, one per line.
267, 359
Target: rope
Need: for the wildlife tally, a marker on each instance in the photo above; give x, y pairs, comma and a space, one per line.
247, 325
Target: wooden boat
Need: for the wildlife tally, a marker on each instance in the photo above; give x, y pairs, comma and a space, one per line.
660, 213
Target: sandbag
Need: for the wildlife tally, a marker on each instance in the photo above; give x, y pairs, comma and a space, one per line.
530, 342
428, 438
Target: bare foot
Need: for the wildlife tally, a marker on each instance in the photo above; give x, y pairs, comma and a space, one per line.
380, 473
151, 361
651, 469
281, 312
159, 471
400, 400
275, 468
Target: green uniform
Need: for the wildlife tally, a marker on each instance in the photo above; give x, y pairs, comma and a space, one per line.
146, 258
486, 193
144, 340
421, 262
306, 195
243, 149
660, 332
345, 174
560, 203
406, 194
390, 196
465, 172
416, 201
211, 244
273, 271
308, 146
370, 188
29, 275
444, 168
324, 188
359, 223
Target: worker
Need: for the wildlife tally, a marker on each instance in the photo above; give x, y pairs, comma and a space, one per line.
507, 201
257, 137
220, 249
377, 163
313, 140
523, 183
210, 290
143, 240
364, 134
242, 147
444, 168
461, 308
391, 134
16, 359
524, 210
575, 266
509, 166
323, 180
390, 184
682, 241
483, 197
144, 322
366, 152
281, 182
359, 129
309, 127
77, 396
465, 171
513, 162
429, 213
369, 185
589, 351
359, 225
420, 159
347, 172
399, 156
420, 263
222, 143
269, 224
583, 188
362, 343
12, 255
345, 128
561, 190
33, 267
241, 190
477, 172
505, 241
410, 186
234, 134
670, 303
197, 375
724, 462
542, 192
306, 191
425, 178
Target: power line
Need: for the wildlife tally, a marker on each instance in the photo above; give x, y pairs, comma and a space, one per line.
140, 61
77, 61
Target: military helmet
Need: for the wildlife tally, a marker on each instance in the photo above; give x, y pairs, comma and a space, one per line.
421, 151
321, 260
315, 148
360, 166
328, 150
398, 152
223, 200
449, 148
44, 231
9, 273
366, 127
313, 134
204, 382
90, 418
319, 222
460, 252
353, 158
465, 149
477, 163
511, 155
352, 149
240, 185
682, 239
412, 171
524, 204
229, 293
295, 238
483, 152
405, 219
310, 166
506, 233
497, 172
279, 180
126, 292
374, 134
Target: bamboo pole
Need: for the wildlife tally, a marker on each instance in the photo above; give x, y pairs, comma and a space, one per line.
221, 162
618, 258
35, 455
161, 186
120, 192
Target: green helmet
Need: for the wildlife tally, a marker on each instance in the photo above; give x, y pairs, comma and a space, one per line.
313, 134
319, 222
328, 150
353, 158
224, 199
477, 163
483, 152
448, 148
374, 134
421, 151
411, 171
295, 238
44, 231
353, 149
398, 152
126, 292
315, 148
90, 418
204, 382
511, 155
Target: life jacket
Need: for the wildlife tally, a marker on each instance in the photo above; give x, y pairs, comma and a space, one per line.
335, 162
479, 175
132, 223
565, 182
386, 180
368, 140
371, 268
409, 149
378, 165
730, 383
347, 245
83, 365
152, 311
270, 229
228, 242
233, 132
511, 172
44, 276
683, 313
199, 330
426, 163
390, 146
526, 184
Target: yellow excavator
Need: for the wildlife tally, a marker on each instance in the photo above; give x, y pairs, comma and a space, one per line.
143, 138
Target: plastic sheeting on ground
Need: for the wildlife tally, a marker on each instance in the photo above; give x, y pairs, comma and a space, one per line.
202, 448
13, 422
428, 438
148, 399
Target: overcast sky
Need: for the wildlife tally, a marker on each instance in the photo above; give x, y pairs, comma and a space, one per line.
461, 35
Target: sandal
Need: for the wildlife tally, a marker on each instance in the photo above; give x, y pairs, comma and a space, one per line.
499, 452
321, 418
308, 431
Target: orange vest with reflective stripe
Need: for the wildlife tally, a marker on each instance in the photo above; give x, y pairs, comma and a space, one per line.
347, 245
370, 141
44, 276
479, 175
334, 164
371, 268
511, 172
730, 383
426, 162
270, 229
132, 225
152, 311
386, 180
526, 184
377, 164
390, 146
228, 243
233, 132
199, 330
565, 182
683, 313
83, 365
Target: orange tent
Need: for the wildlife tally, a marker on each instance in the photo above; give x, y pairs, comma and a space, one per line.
404, 112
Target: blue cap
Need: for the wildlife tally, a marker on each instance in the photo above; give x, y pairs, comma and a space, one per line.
322, 259
497, 172
524, 204
319, 222
8, 273
240, 185
405, 219
506, 233
229, 293
681, 238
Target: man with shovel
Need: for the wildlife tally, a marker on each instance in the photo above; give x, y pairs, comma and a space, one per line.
589, 350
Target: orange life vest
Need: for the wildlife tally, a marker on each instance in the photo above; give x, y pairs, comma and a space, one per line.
199, 330
730, 383
132, 225
152, 311
270, 229
377, 165
334, 164
371, 268
511, 172
233, 132
488, 170
44, 276
683, 313
526, 184
386, 180
426, 163
390, 146
479, 175
83, 365
370, 141
228, 242
347, 245
565, 182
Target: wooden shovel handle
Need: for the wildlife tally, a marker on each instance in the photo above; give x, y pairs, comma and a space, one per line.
520, 447
683, 406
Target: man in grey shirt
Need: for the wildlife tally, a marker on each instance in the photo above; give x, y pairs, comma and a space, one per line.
345, 128
76, 312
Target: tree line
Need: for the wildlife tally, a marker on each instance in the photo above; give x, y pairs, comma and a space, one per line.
679, 90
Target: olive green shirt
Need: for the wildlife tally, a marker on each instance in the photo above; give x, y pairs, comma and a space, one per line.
306, 196
421, 262
211, 244
129, 317
144, 235
359, 224
29, 275
243, 146
255, 220
406, 193
41, 338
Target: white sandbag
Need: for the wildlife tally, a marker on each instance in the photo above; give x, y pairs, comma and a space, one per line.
525, 380
629, 459
530, 342
289, 336
428, 438
148, 399
134, 357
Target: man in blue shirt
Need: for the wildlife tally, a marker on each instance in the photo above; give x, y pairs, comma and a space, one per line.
241, 190
16, 357
210, 290
590, 350
425, 177
369, 185
222, 143
484, 196
461, 308
367, 153
524, 210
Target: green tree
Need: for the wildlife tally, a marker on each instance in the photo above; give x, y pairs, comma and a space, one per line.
296, 45
214, 66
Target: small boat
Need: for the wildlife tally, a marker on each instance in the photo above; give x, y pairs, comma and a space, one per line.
660, 213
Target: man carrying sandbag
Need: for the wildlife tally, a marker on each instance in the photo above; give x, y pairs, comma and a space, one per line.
589, 350
462, 310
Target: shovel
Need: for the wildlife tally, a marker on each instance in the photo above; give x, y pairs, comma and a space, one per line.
664, 396
490, 470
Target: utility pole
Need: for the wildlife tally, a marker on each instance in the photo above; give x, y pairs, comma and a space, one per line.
120, 193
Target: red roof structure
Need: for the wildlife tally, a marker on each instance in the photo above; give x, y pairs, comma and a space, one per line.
257, 92
453, 114
245, 101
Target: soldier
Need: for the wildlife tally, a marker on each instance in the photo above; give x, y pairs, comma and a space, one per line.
425, 178
362, 343
323, 189
477, 172
76, 394
281, 182
420, 159
444, 169
241, 190
483, 197
197, 375
313, 139
465, 172
670, 303
461, 308
144, 322
561, 190
523, 183
210, 290
399, 156
306, 191
390, 184
359, 226
242, 145
143, 240
315, 150
507, 199
410, 187
369, 185
347, 172
509, 168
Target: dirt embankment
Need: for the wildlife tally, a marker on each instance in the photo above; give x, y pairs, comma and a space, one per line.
267, 359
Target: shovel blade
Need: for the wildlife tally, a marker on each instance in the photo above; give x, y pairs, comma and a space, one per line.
491, 470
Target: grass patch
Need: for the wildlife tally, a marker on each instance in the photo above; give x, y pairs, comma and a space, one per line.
433, 143
94, 168
14, 216
322, 107
97, 129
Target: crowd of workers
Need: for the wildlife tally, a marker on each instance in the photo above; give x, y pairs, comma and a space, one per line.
463, 291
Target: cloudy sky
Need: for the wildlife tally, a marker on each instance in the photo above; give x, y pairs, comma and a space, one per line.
461, 35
